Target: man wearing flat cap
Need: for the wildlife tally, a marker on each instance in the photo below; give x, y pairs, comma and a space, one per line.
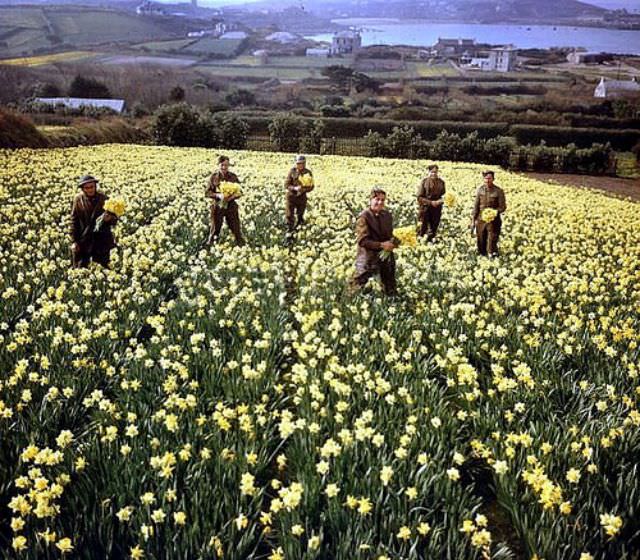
87, 244
488, 197
430, 200
223, 207
298, 183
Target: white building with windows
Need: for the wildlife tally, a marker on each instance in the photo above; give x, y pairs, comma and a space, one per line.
502, 59
346, 42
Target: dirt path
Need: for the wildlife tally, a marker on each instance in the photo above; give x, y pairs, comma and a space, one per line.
620, 188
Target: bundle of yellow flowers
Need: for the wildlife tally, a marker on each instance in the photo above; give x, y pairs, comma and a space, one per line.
228, 189
306, 180
405, 236
402, 237
488, 215
450, 200
115, 207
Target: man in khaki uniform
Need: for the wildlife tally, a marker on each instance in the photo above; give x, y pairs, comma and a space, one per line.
374, 234
223, 208
296, 202
430, 200
87, 244
489, 195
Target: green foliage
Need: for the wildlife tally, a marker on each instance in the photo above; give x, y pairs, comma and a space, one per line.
89, 88
183, 125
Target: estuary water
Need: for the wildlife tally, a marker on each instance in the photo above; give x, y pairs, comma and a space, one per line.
424, 33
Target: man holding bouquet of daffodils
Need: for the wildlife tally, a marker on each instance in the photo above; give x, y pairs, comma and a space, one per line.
298, 183
489, 205
224, 190
375, 245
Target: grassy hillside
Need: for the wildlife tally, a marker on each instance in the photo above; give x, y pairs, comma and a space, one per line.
32, 30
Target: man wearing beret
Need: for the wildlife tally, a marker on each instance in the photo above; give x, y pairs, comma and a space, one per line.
298, 183
87, 244
223, 208
374, 234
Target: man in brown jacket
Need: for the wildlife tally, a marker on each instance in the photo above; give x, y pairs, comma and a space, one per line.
430, 200
86, 243
223, 208
374, 234
296, 202
489, 195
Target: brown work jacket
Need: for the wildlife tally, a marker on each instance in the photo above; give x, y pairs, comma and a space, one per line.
371, 231
488, 198
292, 180
84, 213
218, 177
430, 190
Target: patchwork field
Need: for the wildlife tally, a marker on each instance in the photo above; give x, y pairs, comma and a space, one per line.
236, 402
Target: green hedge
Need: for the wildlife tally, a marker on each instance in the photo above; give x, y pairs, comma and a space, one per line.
582, 137
354, 128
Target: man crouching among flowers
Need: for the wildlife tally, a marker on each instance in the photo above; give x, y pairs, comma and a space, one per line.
374, 234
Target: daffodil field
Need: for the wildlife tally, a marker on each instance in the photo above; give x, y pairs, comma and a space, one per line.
237, 402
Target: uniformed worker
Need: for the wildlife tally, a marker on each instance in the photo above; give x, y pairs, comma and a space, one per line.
374, 234
223, 208
489, 195
296, 201
87, 244
430, 200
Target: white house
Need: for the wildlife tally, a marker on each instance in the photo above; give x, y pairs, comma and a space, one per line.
346, 42
502, 59
616, 88
116, 105
283, 37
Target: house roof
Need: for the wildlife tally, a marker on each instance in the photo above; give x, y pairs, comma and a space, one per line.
234, 35
620, 85
347, 34
116, 105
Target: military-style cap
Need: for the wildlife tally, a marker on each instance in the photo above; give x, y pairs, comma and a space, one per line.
87, 179
300, 159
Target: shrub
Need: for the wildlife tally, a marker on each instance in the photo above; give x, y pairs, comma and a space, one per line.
232, 131
88, 87
183, 125
18, 132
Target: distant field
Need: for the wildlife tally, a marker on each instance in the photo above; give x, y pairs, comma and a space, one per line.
26, 31
200, 47
210, 46
165, 46
256, 71
49, 58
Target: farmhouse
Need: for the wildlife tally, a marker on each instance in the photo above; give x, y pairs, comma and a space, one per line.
501, 59
608, 89
116, 105
346, 42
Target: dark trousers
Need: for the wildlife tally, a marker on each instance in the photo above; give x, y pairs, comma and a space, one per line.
429, 221
82, 260
487, 235
295, 207
387, 270
232, 217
